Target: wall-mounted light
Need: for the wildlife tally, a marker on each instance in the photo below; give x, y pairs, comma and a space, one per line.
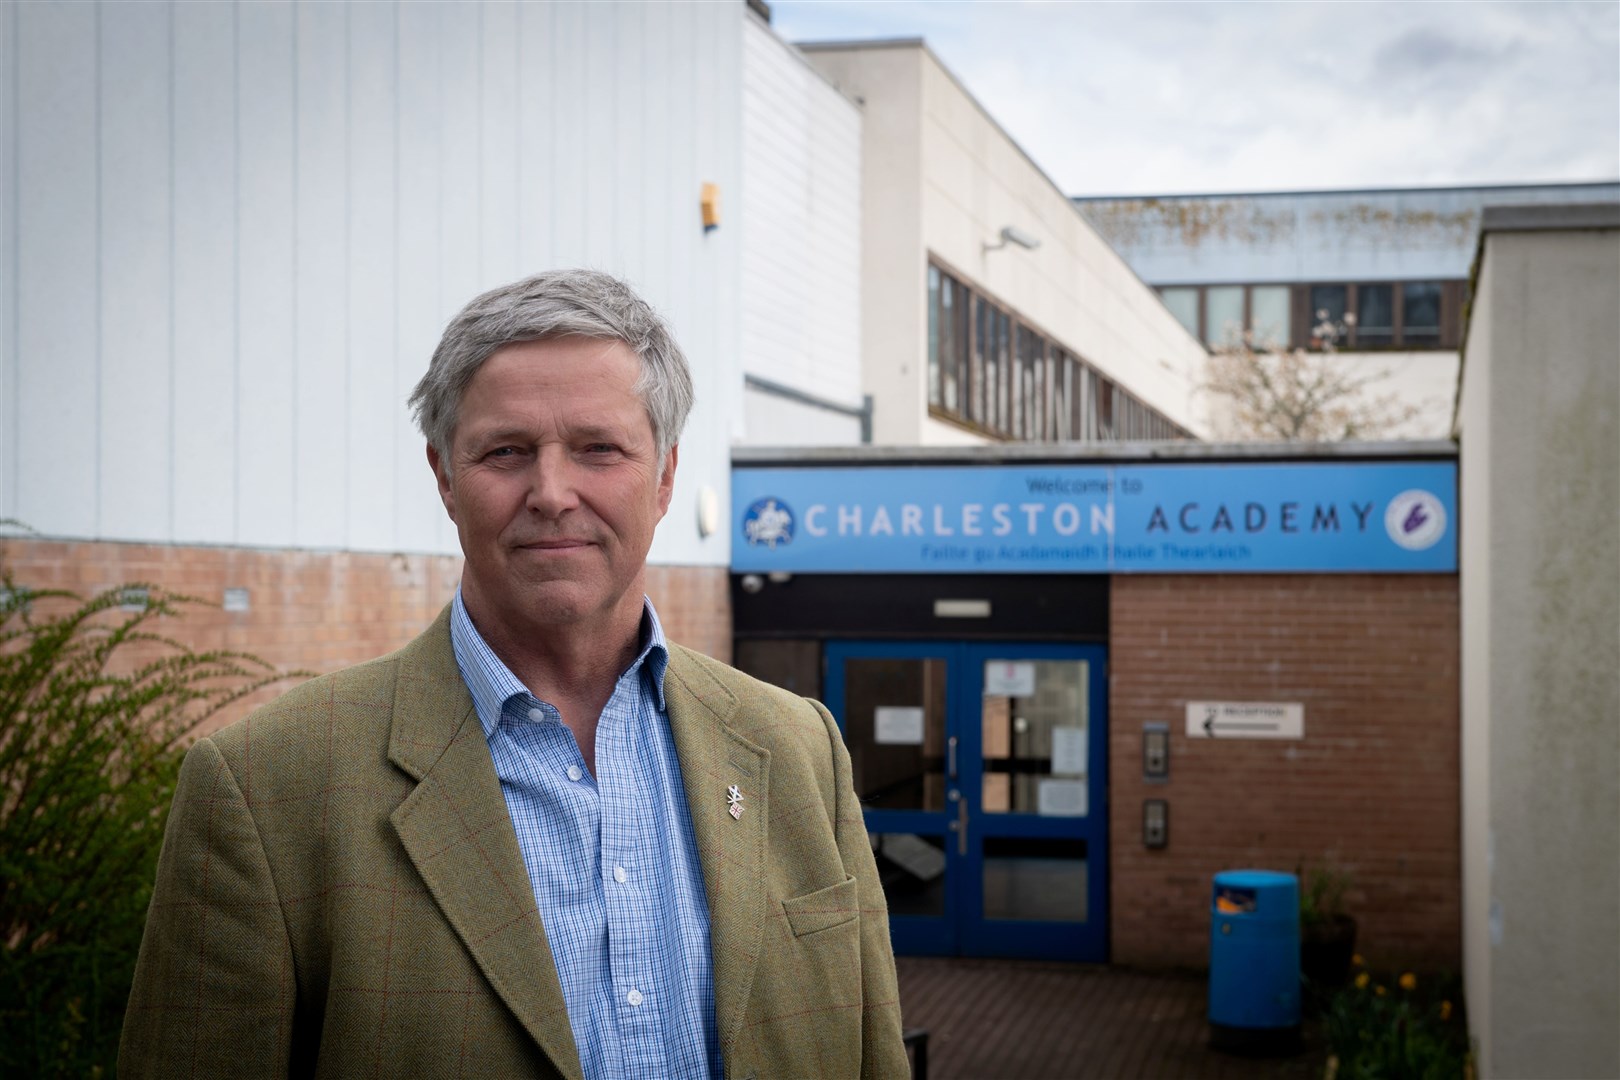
708, 511
1012, 235
710, 201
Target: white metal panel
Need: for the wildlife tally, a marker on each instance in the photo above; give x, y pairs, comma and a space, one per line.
293, 200
205, 267
266, 338
627, 133
571, 134
782, 422
58, 398
801, 215
536, 145
135, 185
8, 260
594, 152
372, 407
497, 120
656, 267
421, 119
321, 235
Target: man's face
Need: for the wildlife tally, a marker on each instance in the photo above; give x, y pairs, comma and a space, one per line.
555, 486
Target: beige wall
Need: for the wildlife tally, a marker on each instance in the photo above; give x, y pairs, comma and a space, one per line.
887, 84
941, 179
1540, 443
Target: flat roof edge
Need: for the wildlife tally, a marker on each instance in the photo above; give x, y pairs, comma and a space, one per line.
1550, 218
1420, 189
862, 43
1092, 453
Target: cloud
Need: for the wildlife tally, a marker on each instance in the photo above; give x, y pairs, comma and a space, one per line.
1141, 98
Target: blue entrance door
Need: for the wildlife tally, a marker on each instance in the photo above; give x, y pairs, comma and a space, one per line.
982, 768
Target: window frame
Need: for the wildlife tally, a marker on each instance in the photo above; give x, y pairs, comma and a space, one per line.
1012, 377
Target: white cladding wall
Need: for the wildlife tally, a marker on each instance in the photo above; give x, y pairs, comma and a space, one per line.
1539, 425
233, 233
801, 259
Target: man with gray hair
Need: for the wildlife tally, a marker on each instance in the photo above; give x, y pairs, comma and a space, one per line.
540, 840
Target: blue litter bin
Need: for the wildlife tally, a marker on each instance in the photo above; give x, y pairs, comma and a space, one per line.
1254, 962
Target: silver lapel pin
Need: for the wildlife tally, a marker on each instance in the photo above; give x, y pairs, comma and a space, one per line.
735, 800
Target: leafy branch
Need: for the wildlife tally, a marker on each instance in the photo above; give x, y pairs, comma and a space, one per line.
1298, 396
96, 703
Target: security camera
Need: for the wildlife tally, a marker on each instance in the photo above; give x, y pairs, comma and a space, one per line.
752, 583
1012, 235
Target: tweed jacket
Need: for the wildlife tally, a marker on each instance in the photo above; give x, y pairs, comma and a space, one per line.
341, 892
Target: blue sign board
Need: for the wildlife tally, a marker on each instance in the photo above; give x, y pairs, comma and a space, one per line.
1331, 517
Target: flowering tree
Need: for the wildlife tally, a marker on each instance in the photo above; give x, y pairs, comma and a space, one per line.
1299, 396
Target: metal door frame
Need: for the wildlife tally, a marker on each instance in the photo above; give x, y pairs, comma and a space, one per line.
962, 928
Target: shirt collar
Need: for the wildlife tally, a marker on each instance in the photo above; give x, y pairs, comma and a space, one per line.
492, 683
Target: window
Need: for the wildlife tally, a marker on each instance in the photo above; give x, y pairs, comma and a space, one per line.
1328, 306
934, 395
1413, 315
1223, 315
1269, 316
1375, 315
990, 371
1183, 304
1420, 312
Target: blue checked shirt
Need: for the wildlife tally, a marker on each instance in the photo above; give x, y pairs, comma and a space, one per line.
612, 861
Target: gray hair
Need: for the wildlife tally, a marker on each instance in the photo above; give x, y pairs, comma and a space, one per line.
554, 304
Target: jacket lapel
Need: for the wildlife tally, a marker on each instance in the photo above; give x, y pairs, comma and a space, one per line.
457, 831
732, 850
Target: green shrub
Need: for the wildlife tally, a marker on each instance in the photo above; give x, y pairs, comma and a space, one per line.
94, 705
1402, 1028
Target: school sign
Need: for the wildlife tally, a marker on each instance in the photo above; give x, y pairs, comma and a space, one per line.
1329, 517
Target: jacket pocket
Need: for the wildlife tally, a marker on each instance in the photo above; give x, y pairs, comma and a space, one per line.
823, 909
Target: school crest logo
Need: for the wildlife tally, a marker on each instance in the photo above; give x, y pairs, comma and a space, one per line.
1415, 520
770, 522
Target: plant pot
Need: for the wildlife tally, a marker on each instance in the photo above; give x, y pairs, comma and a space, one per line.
1326, 946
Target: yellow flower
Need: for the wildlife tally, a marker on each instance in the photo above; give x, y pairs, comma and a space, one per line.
1380, 991
1409, 981
1445, 1010
1358, 961
1361, 981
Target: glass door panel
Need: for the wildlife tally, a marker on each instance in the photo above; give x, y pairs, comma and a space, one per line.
893, 703
1041, 878
895, 727
1034, 738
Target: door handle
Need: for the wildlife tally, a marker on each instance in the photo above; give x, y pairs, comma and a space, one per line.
961, 827
950, 758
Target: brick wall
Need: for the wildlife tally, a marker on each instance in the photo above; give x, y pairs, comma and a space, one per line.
319, 611
1373, 788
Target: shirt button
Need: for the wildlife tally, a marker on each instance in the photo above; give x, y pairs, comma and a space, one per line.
619, 875
633, 997
575, 772
537, 714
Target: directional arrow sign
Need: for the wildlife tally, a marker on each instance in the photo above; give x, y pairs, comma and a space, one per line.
1245, 720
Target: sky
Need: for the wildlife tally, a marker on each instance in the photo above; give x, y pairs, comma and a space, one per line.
1164, 98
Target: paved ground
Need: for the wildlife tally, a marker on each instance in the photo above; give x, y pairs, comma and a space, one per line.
993, 1019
